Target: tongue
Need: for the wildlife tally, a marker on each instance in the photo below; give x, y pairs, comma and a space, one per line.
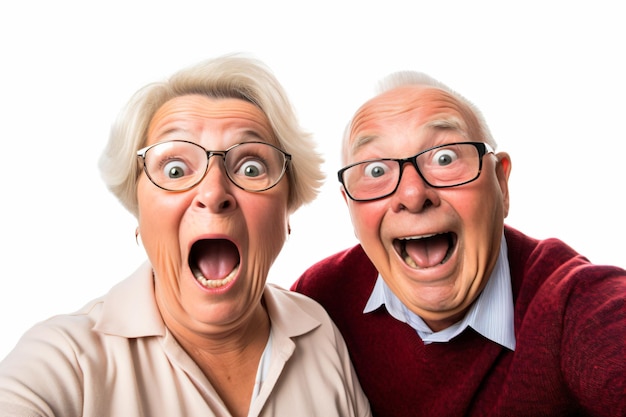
215, 258
429, 251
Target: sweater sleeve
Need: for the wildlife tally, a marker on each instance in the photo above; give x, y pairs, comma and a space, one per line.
594, 338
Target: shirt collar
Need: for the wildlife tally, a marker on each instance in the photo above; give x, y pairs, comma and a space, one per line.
491, 315
287, 314
130, 310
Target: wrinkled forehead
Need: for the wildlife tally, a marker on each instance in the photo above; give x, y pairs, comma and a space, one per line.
410, 108
192, 114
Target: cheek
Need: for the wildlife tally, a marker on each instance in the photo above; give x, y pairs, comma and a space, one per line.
483, 220
366, 220
479, 205
266, 226
491, 212
159, 217
266, 216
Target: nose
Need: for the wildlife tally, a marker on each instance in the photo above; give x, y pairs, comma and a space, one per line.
413, 194
214, 192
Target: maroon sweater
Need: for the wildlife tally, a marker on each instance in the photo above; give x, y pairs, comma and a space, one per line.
569, 326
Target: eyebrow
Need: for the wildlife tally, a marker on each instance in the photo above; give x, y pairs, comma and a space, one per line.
172, 131
450, 123
362, 141
245, 134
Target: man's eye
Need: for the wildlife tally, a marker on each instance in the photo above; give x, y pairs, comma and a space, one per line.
174, 169
375, 169
444, 157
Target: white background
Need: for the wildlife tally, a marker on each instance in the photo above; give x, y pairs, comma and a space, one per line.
548, 75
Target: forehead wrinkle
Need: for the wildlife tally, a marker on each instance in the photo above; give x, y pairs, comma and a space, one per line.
373, 116
191, 115
446, 122
432, 108
454, 115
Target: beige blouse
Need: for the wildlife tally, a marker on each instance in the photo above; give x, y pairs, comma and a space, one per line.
115, 357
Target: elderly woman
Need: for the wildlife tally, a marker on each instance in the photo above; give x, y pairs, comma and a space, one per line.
212, 163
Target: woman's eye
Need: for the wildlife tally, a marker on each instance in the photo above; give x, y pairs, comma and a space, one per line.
174, 169
375, 169
444, 157
252, 169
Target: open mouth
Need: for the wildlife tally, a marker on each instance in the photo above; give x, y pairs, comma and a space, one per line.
214, 262
426, 251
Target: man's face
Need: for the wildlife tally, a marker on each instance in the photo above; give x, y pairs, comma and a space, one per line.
434, 247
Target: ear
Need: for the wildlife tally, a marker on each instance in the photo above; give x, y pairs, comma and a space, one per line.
346, 199
343, 194
503, 171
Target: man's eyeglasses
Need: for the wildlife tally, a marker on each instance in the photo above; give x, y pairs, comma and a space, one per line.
442, 166
179, 165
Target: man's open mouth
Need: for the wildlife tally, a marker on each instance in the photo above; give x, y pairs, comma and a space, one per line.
426, 251
214, 262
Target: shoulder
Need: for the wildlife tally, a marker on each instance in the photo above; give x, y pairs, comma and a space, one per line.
71, 343
71, 329
51, 359
570, 311
345, 259
534, 263
59, 340
342, 283
548, 275
339, 269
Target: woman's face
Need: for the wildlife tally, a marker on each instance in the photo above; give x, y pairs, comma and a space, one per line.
211, 246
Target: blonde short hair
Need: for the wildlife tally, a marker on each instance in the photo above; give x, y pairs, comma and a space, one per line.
229, 76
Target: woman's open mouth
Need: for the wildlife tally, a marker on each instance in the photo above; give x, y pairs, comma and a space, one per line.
214, 262
426, 251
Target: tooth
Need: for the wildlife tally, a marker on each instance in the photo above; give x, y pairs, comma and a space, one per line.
410, 262
214, 283
418, 237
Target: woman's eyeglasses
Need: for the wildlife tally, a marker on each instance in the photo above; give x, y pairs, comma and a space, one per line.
179, 165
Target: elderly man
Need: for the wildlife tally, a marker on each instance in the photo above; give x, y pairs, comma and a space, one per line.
446, 310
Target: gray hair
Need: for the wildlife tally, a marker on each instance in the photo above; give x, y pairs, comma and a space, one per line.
407, 78
229, 76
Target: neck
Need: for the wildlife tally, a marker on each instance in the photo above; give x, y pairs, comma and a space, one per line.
229, 341
437, 325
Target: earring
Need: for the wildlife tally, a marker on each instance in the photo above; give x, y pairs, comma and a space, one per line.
137, 237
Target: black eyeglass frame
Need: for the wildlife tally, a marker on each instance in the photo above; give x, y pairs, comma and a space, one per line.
482, 148
141, 153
